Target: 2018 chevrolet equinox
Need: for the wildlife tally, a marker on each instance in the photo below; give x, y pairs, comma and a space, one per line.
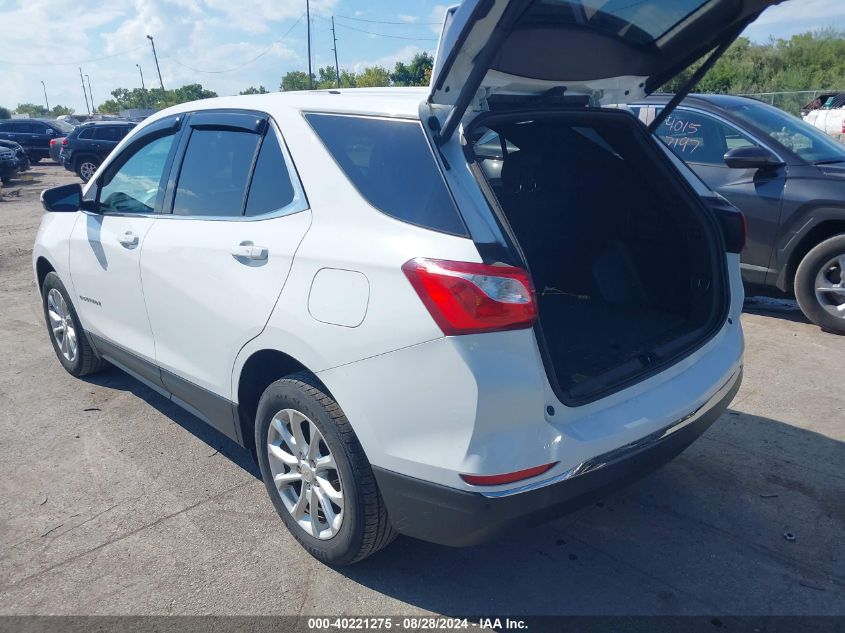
411, 338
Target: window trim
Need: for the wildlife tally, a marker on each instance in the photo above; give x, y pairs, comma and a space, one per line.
467, 234
297, 205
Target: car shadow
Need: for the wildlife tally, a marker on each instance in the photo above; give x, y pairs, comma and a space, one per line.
748, 520
114, 378
786, 309
754, 509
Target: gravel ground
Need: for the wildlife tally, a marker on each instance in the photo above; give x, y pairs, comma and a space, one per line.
114, 501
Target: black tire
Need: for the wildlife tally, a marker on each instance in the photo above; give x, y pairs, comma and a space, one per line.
84, 164
5, 180
365, 527
34, 160
85, 362
805, 284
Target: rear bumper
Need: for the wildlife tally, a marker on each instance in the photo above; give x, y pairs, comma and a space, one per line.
448, 516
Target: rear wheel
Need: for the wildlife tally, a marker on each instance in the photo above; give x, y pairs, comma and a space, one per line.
316, 473
820, 285
34, 160
66, 333
85, 168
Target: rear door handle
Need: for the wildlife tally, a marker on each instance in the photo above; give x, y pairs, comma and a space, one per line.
248, 250
128, 239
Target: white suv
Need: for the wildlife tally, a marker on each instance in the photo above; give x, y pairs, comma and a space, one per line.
439, 313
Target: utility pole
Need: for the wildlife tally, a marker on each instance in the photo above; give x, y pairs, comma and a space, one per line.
87, 107
155, 57
91, 94
45, 96
308, 17
336, 67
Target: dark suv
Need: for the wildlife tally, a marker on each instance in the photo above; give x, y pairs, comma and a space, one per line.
88, 145
34, 135
788, 179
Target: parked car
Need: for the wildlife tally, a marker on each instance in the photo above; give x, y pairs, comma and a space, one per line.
787, 178
408, 346
8, 164
20, 154
34, 135
56, 149
822, 100
829, 117
88, 145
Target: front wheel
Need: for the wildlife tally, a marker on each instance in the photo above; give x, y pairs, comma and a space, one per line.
66, 333
86, 167
820, 285
316, 473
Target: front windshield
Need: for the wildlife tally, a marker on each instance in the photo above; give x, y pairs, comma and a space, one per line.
803, 139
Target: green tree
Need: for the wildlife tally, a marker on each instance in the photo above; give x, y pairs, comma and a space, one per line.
61, 110
809, 61
5, 113
32, 110
373, 77
156, 99
295, 80
413, 73
327, 78
252, 90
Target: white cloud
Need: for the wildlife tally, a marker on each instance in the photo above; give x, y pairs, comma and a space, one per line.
408, 19
437, 16
404, 54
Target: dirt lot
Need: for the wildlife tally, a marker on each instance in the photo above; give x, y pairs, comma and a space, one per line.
114, 501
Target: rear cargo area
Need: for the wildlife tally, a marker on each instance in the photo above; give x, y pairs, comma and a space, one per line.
625, 261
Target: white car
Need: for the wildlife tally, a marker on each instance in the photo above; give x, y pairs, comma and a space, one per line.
408, 345
830, 116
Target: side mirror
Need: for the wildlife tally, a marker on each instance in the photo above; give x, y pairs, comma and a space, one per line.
50, 131
67, 198
751, 157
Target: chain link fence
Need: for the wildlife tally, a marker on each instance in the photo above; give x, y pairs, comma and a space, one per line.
791, 102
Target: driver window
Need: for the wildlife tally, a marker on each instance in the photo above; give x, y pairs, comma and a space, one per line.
136, 184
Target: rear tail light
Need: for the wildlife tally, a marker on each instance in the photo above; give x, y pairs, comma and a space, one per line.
507, 478
64, 142
843, 126
468, 298
53, 141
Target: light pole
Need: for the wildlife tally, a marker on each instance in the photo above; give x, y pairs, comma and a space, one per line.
308, 17
155, 57
143, 87
45, 96
85, 94
91, 94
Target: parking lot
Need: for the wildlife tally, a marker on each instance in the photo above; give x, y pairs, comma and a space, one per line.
115, 501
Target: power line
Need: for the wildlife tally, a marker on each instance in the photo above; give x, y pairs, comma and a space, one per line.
395, 37
77, 63
246, 63
349, 17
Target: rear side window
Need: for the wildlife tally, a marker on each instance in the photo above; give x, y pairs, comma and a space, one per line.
271, 187
215, 173
87, 133
107, 133
391, 165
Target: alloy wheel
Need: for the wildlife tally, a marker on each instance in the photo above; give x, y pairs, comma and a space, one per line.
305, 473
61, 324
87, 170
830, 286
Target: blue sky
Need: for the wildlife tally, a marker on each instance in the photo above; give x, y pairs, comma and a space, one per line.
228, 45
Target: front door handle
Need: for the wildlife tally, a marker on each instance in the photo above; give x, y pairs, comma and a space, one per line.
248, 250
128, 239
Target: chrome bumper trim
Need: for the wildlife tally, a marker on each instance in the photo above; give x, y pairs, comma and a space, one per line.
618, 454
